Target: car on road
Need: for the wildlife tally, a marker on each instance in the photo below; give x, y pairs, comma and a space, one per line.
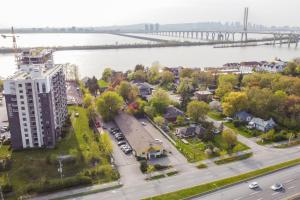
158, 140
127, 151
143, 123
253, 185
122, 142
119, 138
277, 186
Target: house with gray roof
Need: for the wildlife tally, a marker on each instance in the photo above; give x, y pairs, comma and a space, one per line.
243, 116
191, 131
172, 112
261, 124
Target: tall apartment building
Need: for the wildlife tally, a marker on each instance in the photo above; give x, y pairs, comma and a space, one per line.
36, 100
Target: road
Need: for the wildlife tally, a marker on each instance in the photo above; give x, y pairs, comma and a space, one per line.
262, 157
290, 178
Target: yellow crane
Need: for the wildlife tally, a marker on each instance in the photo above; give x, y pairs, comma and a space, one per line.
14, 40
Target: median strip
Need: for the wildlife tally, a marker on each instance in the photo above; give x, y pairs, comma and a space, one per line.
212, 186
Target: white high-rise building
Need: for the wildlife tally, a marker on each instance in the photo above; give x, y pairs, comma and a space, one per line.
36, 100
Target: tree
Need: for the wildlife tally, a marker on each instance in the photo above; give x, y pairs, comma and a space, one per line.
91, 113
226, 84
160, 100
108, 104
1, 85
153, 74
203, 78
92, 85
180, 120
105, 143
159, 120
186, 73
139, 75
88, 100
230, 138
167, 77
197, 110
106, 74
185, 89
224, 89
234, 102
150, 111
150, 170
291, 69
139, 67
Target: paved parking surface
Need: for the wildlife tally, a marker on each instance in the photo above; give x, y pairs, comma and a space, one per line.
128, 166
74, 96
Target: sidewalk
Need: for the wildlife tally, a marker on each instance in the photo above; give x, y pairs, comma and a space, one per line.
80, 191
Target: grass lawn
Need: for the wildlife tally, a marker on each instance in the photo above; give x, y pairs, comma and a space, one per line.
40, 165
102, 83
215, 115
242, 131
201, 166
194, 150
200, 189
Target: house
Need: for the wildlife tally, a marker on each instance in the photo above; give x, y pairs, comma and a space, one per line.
145, 89
273, 67
172, 112
243, 116
215, 105
185, 132
204, 95
261, 124
191, 131
247, 67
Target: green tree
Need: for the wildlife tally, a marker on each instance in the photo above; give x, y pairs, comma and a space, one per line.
180, 120
160, 100
92, 85
224, 89
139, 75
186, 73
203, 78
1, 85
139, 67
150, 170
185, 89
153, 74
226, 84
88, 100
234, 102
105, 143
150, 111
291, 69
106, 74
108, 104
197, 110
167, 77
230, 138
159, 120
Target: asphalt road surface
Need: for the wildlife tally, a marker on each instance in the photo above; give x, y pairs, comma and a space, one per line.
290, 178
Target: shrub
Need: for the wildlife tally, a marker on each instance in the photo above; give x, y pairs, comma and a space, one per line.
160, 167
208, 152
216, 150
143, 166
6, 188
58, 184
236, 123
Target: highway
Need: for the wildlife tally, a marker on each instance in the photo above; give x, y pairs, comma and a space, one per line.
290, 178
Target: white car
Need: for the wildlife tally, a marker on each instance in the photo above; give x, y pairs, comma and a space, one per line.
143, 123
253, 185
277, 186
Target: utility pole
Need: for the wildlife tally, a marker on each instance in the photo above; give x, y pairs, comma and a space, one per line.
245, 22
60, 169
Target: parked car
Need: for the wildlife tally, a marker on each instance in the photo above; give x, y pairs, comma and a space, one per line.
76, 114
253, 185
277, 186
143, 123
121, 142
228, 119
118, 134
120, 138
127, 151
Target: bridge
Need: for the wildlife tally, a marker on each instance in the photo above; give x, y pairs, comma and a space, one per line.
209, 35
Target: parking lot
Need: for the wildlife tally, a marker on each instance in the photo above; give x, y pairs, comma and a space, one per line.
74, 95
4, 133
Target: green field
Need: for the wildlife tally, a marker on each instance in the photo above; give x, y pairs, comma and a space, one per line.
36, 167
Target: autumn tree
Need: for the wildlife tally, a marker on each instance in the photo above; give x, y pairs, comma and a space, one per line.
139, 75
186, 73
108, 104
105, 143
230, 138
234, 102
197, 110
87, 100
153, 74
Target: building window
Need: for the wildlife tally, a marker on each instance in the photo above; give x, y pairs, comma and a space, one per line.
24, 119
21, 91
21, 97
25, 124
22, 108
27, 142
22, 102
25, 130
20, 85
43, 87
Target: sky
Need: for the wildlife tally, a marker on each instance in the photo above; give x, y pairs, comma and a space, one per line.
65, 13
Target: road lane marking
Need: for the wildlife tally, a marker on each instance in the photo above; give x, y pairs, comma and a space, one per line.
260, 199
288, 181
253, 193
292, 187
275, 193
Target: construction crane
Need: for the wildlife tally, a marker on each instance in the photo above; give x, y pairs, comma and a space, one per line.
14, 40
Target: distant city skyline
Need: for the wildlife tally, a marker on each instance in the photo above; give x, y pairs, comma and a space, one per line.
64, 13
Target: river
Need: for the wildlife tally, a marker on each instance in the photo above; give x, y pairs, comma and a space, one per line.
92, 62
